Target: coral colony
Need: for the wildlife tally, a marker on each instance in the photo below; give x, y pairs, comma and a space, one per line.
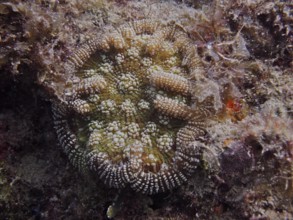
129, 115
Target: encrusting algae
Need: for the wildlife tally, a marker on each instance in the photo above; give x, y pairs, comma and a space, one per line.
162, 92
129, 115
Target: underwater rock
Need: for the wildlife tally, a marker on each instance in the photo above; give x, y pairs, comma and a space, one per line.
131, 88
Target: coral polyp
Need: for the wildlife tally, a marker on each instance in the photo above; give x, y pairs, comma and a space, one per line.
129, 114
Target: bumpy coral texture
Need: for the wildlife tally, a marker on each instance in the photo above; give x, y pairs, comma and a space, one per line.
129, 114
